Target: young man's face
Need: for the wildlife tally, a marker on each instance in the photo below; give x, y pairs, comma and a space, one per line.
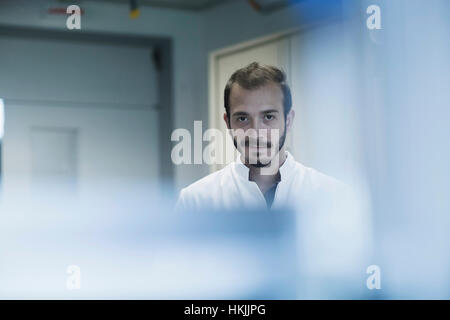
259, 114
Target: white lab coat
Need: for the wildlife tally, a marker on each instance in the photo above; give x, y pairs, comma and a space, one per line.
230, 188
331, 226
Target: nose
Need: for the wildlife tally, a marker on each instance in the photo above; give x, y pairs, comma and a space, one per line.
257, 124
258, 130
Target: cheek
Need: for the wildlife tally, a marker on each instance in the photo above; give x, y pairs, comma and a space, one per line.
276, 124
276, 130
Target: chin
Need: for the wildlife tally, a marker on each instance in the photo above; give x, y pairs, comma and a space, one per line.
264, 162
254, 155
257, 161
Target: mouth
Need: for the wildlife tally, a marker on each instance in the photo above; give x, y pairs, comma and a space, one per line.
264, 145
256, 147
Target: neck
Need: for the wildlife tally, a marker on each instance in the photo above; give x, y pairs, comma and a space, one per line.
266, 180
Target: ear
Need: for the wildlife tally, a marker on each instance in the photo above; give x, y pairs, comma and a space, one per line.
227, 122
290, 119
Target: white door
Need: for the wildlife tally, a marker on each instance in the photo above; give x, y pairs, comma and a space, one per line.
79, 113
78, 145
54, 156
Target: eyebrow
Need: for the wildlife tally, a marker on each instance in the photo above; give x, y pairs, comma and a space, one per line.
242, 113
270, 111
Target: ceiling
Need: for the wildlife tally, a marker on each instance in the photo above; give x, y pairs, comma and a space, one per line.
196, 5
175, 4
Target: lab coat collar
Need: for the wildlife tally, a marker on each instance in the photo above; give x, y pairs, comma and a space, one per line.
285, 170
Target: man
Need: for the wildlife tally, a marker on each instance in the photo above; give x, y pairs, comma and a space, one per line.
258, 112
332, 231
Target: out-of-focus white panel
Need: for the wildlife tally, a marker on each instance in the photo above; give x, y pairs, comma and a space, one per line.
325, 94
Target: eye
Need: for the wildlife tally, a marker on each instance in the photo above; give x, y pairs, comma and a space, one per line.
269, 117
241, 119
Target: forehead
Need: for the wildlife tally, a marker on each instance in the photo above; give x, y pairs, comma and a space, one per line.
268, 96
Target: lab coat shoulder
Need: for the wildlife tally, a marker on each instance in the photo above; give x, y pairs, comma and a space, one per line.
204, 193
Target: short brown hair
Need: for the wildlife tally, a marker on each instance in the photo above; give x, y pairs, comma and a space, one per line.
254, 76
